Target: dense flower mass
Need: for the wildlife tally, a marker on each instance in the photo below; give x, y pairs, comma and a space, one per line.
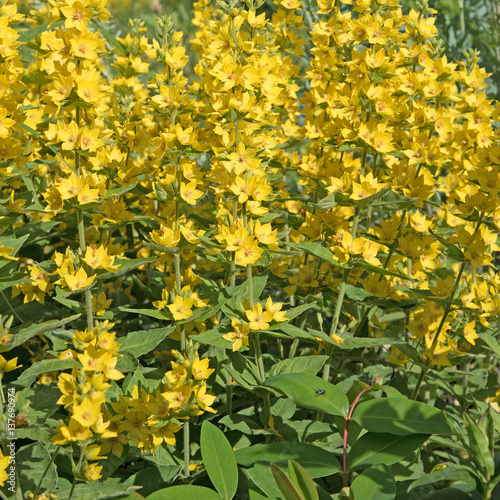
315, 182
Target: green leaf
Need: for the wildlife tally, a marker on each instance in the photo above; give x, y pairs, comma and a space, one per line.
32, 461
219, 460
492, 343
333, 200
33, 32
356, 292
381, 270
400, 416
115, 193
213, 337
377, 448
375, 483
303, 364
110, 38
47, 365
392, 202
450, 473
144, 341
480, 452
302, 481
95, 491
301, 389
27, 332
262, 476
357, 342
153, 313
317, 461
284, 484
184, 492
125, 265
317, 250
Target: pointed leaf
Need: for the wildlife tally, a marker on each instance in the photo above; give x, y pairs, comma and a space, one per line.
302, 389
186, 492
400, 416
302, 481
144, 341
284, 484
375, 483
220, 462
317, 461
377, 448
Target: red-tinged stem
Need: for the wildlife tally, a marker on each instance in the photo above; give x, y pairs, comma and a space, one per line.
346, 432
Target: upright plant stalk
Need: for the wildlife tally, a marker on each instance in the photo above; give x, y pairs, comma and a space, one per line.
178, 286
81, 237
335, 321
346, 433
258, 353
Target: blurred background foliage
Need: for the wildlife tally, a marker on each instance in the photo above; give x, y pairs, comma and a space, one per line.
468, 28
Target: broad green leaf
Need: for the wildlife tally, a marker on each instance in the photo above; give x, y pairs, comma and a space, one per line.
381, 270
301, 388
115, 193
492, 343
95, 491
21, 335
317, 250
317, 461
213, 337
357, 342
375, 448
32, 461
125, 265
243, 370
479, 451
219, 460
153, 313
295, 332
44, 366
294, 312
356, 292
184, 492
262, 476
144, 341
400, 416
450, 473
303, 364
392, 202
284, 484
302, 481
448, 494
375, 483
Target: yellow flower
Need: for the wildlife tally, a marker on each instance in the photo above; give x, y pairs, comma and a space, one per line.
200, 369
258, 319
79, 280
239, 337
87, 413
249, 252
93, 472
470, 332
189, 193
181, 308
8, 366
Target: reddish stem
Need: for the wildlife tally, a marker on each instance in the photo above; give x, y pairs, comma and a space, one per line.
346, 431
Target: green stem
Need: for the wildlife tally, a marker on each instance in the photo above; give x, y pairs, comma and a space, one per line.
187, 457
87, 293
45, 472
12, 310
